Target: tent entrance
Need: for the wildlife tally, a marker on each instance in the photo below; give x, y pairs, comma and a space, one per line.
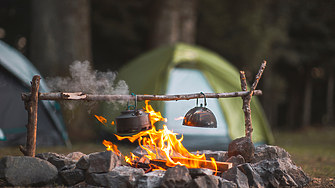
186, 81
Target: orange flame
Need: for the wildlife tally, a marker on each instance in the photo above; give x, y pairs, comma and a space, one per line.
180, 118
101, 119
163, 144
111, 147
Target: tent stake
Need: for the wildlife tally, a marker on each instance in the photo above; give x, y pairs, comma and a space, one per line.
31, 106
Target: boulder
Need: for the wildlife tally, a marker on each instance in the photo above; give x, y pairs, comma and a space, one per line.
268, 152
72, 176
254, 179
206, 181
195, 172
236, 160
151, 180
75, 155
281, 172
58, 160
100, 162
242, 146
235, 175
177, 176
120, 176
27, 171
83, 163
223, 183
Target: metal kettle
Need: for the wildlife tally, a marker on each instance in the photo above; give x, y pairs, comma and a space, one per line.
133, 121
200, 116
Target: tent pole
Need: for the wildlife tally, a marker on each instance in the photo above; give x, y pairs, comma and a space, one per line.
31, 106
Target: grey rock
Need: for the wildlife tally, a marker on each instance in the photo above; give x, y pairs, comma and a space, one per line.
151, 180
177, 176
75, 155
195, 172
242, 146
254, 179
236, 160
120, 176
58, 160
204, 182
103, 161
27, 171
223, 183
72, 176
83, 163
217, 155
279, 172
47, 155
235, 175
268, 152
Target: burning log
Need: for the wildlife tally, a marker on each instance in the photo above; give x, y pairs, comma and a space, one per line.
92, 97
31, 106
221, 166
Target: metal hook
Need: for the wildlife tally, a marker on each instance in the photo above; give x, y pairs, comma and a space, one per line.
204, 98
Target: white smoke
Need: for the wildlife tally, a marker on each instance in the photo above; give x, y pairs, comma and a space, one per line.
84, 79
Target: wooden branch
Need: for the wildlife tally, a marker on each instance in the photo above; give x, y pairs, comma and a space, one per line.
246, 106
92, 97
32, 107
247, 99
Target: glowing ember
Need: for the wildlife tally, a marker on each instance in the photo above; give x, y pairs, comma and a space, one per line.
162, 145
101, 119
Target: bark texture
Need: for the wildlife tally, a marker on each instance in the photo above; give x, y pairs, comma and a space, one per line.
31, 107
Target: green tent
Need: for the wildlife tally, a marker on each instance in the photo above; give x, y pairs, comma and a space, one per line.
183, 69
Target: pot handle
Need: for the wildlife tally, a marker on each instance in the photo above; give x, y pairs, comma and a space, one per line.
201, 93
135, 106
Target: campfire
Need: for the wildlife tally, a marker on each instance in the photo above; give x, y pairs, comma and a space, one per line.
161, 147
160, 160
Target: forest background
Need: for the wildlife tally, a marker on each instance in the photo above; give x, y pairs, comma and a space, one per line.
296, 38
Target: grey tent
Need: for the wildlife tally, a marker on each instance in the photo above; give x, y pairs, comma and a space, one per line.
16, 72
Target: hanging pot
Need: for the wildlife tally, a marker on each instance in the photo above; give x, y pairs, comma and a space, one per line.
200, 116
132, 121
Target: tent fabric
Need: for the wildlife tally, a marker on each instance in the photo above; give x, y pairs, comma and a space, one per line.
16, 72
149, 74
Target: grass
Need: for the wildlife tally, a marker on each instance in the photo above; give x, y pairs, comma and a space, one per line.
312, 149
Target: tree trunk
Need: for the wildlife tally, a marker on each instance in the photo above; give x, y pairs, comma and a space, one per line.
60, 34
307, 106
330, 94
174, 21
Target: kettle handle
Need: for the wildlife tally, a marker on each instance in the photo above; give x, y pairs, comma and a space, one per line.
135, 106
201, 93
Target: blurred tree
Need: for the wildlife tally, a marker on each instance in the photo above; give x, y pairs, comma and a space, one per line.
119, 31
173, 21
61, 34
246, 33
